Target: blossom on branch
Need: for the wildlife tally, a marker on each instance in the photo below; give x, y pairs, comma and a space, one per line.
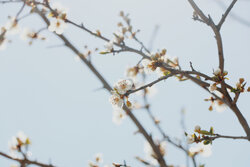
57, 26
190, 138
108, 47
202, 149
12, 25
123, 86
118, 116
116, 100
60, 12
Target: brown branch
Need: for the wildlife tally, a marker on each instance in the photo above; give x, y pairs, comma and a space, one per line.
148, 85
224, 16
218, 136
233, 15
20, 11
25, 161
208, 20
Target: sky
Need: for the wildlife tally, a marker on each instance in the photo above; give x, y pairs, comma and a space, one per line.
56, 100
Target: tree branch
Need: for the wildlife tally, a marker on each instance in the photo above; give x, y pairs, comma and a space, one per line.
208, 20
25, 161
224, 16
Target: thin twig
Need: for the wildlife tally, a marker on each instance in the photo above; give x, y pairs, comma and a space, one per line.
26, 161
148, 85
224, 16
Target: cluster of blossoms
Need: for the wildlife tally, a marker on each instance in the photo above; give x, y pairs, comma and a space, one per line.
120, 89
204, 148
59, 15
150, 154
18, 143
117, 99
157, 61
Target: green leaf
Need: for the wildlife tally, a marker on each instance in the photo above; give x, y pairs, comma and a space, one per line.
104, 52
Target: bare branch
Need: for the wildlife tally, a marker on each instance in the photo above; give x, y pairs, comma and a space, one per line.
218, 136
148, 85
25, 161
224, 16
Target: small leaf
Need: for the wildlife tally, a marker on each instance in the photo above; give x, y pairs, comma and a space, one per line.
104, 52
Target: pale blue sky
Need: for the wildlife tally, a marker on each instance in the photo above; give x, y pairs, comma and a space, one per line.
48, 95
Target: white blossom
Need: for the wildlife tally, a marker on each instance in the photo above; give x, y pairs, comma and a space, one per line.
12, 26
109, 46
57, 25
218, 105
202, 149
60, 9
116, 100
160, 71
212, 87
118, 116
217, 71
197, 128
107, 166
119, 37
99, 158
190, 139
13, 143
146, 63
131, 73
21, 136
24, 34
19, 140
123, 85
